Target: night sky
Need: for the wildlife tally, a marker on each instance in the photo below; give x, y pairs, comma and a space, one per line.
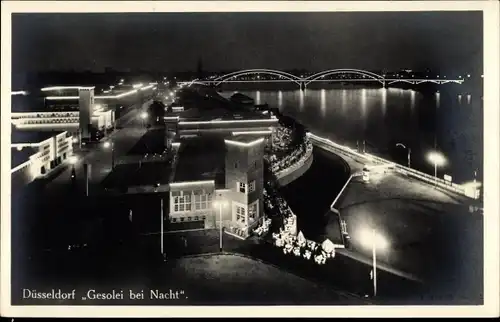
450, 41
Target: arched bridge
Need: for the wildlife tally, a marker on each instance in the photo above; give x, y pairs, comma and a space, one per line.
346, 76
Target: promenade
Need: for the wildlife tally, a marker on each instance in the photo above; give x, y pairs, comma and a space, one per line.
431, 234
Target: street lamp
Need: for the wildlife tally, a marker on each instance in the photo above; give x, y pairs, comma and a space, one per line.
409, 152
144, 116
221, 204
438, 160
73, 160
370, 239
161, 228
107, 145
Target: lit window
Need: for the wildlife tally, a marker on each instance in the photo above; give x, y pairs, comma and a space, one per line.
240, 214
202, 201
242, 187
182, 202
252, 211
251, 186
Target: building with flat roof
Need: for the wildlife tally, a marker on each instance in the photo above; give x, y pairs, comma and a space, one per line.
80, 110
219, 173
198, 122
219, 181
36, 154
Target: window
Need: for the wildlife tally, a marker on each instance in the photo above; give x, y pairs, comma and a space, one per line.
240, 214
182, 202
236, 165
252, 211
242, 187
202, 200
251, 186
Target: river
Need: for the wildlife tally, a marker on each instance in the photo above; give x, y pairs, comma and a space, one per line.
421, 120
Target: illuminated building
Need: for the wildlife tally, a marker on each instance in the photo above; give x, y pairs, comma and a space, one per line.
76, 109
37, 154
219, 172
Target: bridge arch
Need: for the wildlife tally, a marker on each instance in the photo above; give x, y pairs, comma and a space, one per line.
366, 73
273, 72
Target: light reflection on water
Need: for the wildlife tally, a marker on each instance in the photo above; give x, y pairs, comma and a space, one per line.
323, 102
384, 116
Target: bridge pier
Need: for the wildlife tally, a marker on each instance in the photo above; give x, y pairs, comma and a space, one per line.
302, 86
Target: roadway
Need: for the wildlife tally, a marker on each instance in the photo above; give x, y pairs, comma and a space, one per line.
431, 234
130, 132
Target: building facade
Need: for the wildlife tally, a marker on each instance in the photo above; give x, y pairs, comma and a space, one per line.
41, 153
238, 205
69, 121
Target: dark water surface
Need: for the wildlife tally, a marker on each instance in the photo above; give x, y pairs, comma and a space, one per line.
422, 120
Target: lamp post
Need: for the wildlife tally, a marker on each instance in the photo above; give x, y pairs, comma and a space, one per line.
221, 204
409, 152
144, 116
438, 160
161, 228
111, 144
73, 160
374, 241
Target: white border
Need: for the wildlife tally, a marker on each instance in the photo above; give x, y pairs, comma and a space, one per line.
491, 160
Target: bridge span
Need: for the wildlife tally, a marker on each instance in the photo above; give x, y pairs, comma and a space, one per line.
342, 75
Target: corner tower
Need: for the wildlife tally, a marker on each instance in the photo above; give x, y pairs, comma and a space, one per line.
86, 106
245, 182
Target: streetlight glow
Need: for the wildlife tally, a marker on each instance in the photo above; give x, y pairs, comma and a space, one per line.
439, 160
73, 159
220, 204
368, 239
144, 115
107, 144
436, 158
137, 85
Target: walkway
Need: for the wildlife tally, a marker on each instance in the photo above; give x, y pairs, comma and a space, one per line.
431, 234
